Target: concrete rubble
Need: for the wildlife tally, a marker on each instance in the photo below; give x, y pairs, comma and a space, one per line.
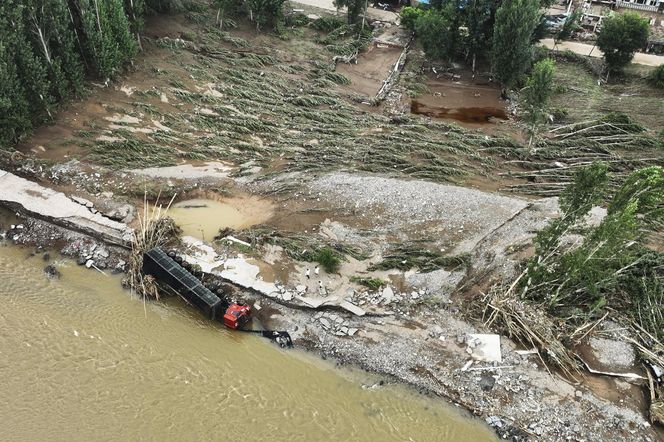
244, 274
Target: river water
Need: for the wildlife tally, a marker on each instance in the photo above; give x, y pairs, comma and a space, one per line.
80, 359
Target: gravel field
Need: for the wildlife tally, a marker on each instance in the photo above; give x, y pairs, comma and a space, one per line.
455, 216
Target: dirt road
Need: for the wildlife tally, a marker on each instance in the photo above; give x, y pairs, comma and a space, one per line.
372, 13
586, 49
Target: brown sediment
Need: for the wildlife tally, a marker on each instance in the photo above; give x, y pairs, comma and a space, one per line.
464, 114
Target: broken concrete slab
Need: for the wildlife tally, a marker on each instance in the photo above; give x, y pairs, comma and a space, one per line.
484, 347
56, 207
211, 170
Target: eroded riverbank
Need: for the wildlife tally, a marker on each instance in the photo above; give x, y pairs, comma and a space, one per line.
81, 359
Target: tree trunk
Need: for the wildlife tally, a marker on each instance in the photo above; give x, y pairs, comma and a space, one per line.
98, 19
474, 58
78, 37
43, 42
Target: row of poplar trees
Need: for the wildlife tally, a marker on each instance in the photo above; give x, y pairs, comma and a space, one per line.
49, 46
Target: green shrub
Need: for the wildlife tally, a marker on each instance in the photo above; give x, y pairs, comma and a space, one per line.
297, 19
328, 259
327, 23
559, 113
656, 77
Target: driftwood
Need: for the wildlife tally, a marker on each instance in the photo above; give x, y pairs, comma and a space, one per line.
348, 59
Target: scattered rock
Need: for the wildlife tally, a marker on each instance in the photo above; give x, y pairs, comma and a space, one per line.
123, 213
487, 382
51, 271
388, 294
436, 331
46, 256
81, 260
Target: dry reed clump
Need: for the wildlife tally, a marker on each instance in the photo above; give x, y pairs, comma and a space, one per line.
155, 230
529, 325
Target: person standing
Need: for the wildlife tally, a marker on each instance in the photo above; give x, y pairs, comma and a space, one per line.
316, 270
307, 274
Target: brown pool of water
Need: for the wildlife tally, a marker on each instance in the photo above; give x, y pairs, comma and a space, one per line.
203, 217
81, 359
463, 98
464, 114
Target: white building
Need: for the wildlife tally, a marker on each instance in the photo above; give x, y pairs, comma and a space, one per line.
642, 5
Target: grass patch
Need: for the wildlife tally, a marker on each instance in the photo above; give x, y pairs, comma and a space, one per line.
328, 259
370, 283
585, 99
410, 255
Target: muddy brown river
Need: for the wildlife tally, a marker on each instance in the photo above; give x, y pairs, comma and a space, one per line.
80, 359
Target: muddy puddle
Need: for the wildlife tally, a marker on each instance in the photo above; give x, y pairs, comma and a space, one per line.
202, 217
462, 99
80, 360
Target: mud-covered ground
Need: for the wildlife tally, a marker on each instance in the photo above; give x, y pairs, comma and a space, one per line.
255, 133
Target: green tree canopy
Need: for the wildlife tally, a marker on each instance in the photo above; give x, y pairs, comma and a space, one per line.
477, 18
621, 35
435, 29
355, 8
512, 48
538, 90
656, 77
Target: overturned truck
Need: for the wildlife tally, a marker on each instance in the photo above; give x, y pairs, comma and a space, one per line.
170, 270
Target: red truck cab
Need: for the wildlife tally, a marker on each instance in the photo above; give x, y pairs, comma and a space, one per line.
236, 316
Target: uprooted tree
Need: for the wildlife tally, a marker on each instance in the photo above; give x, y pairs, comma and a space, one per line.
581, 273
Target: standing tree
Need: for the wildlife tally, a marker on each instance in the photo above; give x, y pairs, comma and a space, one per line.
478, 16
266, 12
225, 8
620, 36
536, 94
436, 31
512, 47
656, 77
356, 8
